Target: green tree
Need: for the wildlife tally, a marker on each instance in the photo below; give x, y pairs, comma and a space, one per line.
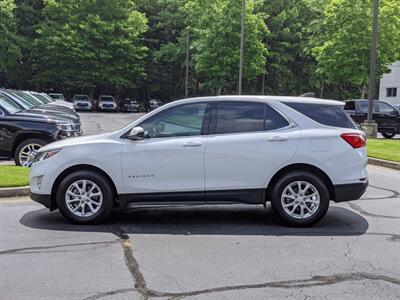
342, 40
89, 43
216, 28
10, 51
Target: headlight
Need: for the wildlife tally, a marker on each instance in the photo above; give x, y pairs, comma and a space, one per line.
45, 155
65, 126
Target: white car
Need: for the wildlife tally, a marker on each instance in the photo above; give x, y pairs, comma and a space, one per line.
297, 153
107, 103
82, 102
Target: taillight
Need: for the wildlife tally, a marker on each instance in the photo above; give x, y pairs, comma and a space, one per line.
356, 140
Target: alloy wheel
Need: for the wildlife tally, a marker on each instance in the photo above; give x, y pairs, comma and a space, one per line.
300, 200
83, 198
27, 154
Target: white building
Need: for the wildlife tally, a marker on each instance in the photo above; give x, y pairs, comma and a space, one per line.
389, 89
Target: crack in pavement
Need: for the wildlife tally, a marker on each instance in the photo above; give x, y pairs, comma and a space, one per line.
27, 250
366, 213
316, 280
140, 285
395, 194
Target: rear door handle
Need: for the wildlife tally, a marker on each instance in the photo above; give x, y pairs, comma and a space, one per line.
278, 138
191, 144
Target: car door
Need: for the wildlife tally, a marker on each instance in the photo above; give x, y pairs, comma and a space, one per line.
247, 143
168, 164
386, 116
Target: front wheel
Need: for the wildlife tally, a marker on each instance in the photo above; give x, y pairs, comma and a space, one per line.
388, 134
300, 198
26, 150
85, 197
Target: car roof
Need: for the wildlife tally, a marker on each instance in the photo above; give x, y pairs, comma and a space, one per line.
267, 99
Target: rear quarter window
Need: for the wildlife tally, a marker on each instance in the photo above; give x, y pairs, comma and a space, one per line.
325, 114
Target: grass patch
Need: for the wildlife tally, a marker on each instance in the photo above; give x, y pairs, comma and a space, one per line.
384, 149
12, 176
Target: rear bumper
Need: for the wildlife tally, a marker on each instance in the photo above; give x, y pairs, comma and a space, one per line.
43, 199
348, 192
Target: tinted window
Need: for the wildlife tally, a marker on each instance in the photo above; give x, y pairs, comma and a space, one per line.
330, 115
185, 120
350, 105
385, 108
236, 117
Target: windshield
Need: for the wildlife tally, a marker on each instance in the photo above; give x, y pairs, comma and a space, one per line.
40, 98
33, 101
21, 101
57, 96
106, 98
9, 105
81, 97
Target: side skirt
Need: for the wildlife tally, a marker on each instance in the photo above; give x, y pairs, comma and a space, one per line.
244, 196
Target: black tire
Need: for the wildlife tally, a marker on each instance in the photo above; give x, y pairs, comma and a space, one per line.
105, 208
23, 144
292, 177
388, 134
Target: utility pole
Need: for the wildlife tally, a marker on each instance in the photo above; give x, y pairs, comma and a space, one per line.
241, 47
370, 127
187, 64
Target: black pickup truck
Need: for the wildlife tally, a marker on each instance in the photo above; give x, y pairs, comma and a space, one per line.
385, 115
23, 132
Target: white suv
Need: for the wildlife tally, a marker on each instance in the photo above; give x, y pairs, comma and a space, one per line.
297, 153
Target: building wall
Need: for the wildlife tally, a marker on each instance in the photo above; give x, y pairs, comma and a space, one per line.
390, 80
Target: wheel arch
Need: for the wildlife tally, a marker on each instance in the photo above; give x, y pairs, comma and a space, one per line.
301, 167
79, 167
27, 136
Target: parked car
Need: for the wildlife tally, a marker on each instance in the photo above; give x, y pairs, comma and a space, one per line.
130, 105
45, 99
107, 103
297, 153
397, 106
32, 104
22, 133
82, 102
385, 115
57, 96
153, 104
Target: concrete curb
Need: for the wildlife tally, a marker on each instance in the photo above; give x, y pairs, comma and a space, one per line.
14, 192
384, 163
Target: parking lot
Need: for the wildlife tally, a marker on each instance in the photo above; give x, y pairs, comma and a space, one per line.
235, 252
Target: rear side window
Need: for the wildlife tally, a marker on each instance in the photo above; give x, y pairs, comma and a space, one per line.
238, 117
350, 105
325, 114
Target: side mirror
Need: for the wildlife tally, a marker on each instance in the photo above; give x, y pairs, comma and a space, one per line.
137, 133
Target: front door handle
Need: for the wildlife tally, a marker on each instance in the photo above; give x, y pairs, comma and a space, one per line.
278, 138
191, 144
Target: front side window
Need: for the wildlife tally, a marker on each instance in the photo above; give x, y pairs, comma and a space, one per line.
239, 117
185, 120
385, 108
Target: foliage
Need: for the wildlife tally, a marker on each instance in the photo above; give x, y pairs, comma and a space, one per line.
342, 39
10, 51
85, 43
216, 28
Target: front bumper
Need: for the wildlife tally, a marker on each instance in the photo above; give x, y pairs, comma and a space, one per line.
44, 200
349, 192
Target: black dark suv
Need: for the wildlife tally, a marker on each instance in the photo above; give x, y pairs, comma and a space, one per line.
23, 132
385, 115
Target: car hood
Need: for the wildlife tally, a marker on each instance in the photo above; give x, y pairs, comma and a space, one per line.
54, 114
77, 141
39, 116
107, 102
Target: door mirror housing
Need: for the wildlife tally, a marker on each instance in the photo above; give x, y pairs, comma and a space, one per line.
136, 133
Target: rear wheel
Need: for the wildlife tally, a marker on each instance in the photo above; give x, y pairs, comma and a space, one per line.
300, 198
388, 134
26, 150
85, 197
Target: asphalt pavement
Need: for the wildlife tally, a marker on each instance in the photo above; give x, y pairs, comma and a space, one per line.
221, 252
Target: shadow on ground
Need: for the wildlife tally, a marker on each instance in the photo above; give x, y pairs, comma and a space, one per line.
204, 220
